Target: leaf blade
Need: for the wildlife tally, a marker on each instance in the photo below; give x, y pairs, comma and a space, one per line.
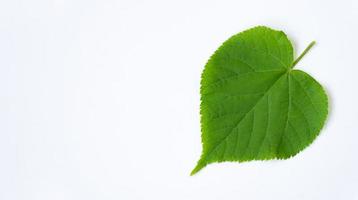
247, 84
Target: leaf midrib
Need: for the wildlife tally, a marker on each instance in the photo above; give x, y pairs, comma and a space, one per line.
285, 72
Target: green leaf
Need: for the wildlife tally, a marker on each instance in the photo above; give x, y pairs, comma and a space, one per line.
254, 106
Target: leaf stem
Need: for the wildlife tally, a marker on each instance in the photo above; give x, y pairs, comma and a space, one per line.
303, 53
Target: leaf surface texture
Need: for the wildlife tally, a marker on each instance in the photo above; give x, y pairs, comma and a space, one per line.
254, 106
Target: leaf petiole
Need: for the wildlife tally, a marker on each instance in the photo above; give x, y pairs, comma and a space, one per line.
303, 53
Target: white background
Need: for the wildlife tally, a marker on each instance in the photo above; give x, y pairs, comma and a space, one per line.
100, 99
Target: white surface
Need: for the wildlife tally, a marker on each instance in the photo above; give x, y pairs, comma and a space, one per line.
100, 99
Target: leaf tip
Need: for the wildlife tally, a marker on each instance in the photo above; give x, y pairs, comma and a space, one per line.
198, 167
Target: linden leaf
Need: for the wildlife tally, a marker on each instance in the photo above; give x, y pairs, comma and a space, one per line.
254, 106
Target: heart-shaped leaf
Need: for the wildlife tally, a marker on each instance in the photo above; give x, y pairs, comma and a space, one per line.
254, 105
